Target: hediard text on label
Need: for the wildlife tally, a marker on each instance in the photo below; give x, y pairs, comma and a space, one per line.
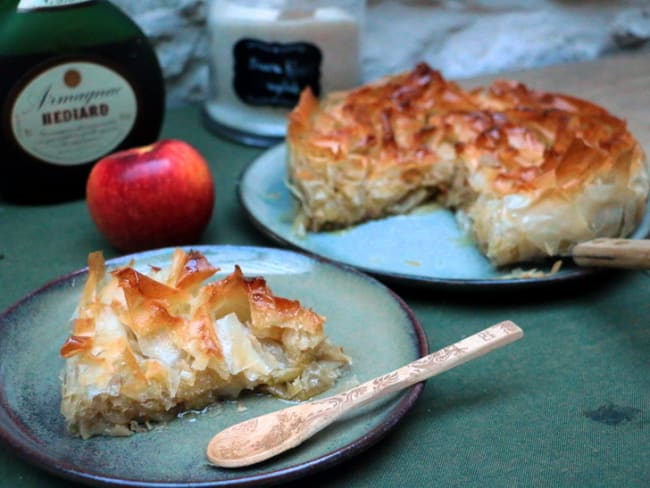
73, 113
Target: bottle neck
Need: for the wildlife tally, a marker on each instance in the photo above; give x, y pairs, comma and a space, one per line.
62, 28
25, 5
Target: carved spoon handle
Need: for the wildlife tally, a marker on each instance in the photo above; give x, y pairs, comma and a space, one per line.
613, 253
263, 437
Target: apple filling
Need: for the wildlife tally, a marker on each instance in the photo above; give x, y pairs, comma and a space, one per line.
146, 346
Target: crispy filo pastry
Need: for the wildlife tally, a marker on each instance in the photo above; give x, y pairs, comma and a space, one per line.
529, 173
148, 345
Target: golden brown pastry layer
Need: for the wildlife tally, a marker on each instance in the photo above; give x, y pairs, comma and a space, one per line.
145, 346
529, 173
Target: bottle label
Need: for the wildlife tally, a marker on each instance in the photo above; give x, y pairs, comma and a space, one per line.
73, 113
273, 73
37, 4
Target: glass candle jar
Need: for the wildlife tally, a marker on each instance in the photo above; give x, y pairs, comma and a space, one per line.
263, 53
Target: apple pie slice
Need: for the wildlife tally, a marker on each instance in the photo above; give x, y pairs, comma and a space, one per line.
148, 345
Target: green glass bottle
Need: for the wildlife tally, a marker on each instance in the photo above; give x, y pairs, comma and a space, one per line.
78, 80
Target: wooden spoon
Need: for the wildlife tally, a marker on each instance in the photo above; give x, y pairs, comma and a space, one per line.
263, 437
613, 253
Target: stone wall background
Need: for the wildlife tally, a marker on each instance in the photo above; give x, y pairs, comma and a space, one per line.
462, 38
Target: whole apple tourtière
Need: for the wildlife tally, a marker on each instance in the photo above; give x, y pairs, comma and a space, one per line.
529, 173
146, 346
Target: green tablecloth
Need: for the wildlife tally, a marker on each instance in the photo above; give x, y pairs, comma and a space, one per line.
566, 406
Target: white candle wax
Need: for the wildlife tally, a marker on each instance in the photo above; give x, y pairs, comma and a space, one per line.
334, 31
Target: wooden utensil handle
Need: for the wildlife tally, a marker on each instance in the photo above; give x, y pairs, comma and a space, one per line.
613, 253
433, 364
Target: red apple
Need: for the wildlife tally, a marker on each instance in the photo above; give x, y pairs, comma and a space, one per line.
153, 196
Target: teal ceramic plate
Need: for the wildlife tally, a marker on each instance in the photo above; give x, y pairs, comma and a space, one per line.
424, 248
374, 326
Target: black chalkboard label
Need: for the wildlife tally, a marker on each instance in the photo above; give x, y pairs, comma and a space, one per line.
273, 74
